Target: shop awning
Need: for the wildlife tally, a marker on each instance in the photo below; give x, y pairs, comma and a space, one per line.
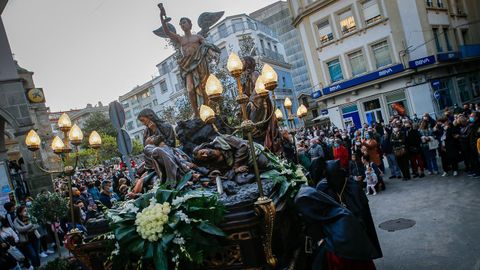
321, 117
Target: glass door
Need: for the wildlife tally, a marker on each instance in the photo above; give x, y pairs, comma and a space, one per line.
373, 111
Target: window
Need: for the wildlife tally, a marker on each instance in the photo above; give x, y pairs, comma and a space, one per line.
440, 3
325, 31
128, 114
125, 104
429, 3
222, 30
447, 40
475, 83
315, 113
305, 101
163, 87
462, 86
262, 44
130, 125
437, 40
445, 94
275, 48
284, 81
347, 22
335, 70
238, 25
357, 63
398, 99
155, 102
164, 68
465, 36
371, 12
251, 25
136, 110
381, 53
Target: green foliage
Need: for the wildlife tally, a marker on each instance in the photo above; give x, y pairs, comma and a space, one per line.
189, 235
109, 147
137, 147
86, 157
101, 123
49, 208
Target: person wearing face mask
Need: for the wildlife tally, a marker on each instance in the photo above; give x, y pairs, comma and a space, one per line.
473, 138
340, 153
28, 242
107, 196
387, 149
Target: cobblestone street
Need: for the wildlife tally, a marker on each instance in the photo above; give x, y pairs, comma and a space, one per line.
447, 215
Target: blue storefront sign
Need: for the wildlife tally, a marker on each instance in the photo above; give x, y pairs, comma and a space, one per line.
450, 56
324, 112
316, 94
437, 95
422, 62
363, 79
435, 84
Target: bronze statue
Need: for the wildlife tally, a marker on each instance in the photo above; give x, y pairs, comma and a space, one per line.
194, 51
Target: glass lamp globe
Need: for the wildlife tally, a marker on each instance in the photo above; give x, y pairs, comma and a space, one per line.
260, 86
302, 111
279, 114
75, 135
207, 114
213, 87
95, 141
287, 103
270, 77
33, 140
234, 64
64, 123
57, 145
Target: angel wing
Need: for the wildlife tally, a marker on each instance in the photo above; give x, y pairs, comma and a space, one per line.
159, 32
207, 19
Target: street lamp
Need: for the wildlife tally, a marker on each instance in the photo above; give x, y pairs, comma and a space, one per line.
279, 114
288, 105
264, 205
71, 135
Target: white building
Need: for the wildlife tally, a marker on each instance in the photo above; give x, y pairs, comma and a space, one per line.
139, 98
366, 56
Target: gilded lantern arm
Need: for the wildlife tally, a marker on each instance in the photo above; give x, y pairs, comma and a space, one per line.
265, 208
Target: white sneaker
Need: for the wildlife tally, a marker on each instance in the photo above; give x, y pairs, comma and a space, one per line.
455, 173
429, 172
445, 174
43, 255
49, 251
374, 193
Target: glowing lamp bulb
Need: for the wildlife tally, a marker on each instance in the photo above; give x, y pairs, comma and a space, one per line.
75, 135
33, 140
260, 87
57, 145
64, 122
234, 64
287, 103
302, 111
278, 114
213, 87
270, 77
206, 114
95, 141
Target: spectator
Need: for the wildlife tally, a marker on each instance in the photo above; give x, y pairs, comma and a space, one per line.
449, 148
340, 153
429, 147
107, 196
413, 142
10, 215
28, 242
399, 149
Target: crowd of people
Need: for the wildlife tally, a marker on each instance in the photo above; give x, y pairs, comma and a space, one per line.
410, 147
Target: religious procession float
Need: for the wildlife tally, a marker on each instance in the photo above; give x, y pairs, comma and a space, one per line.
208, 199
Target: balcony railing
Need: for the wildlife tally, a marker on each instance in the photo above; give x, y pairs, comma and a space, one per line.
236, 27
267, 53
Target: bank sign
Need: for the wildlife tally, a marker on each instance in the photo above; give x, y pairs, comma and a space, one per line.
363, 79
422, 62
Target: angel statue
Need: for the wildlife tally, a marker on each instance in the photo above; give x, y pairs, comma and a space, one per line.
194, 52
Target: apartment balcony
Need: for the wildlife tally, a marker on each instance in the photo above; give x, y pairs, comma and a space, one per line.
269, 54
222, 32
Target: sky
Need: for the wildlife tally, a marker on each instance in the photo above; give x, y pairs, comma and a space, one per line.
85, 51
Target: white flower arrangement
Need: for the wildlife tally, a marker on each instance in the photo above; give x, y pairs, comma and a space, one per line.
151, 220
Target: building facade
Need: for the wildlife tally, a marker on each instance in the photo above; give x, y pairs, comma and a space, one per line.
139, 98
277, 17
366, 57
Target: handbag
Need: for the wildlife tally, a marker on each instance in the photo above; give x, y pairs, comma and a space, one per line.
15, 252
433, 144
399, 151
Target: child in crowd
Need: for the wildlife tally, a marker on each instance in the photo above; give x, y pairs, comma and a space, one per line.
371, 179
